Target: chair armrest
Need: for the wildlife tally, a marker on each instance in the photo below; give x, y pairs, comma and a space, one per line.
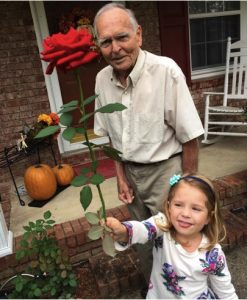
213, 93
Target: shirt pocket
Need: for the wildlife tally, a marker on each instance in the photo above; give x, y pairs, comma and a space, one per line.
148, 128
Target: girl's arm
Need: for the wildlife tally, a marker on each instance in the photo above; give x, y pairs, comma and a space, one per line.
220, 277
119, 231
132, 232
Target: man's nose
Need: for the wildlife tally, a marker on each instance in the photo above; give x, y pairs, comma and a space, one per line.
115, 46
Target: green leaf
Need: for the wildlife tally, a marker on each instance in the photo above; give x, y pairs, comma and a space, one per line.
53, 291
64, 274
72, 283
50, 130
24, 243
69, 133
108, 245
90, 99
86, 196
110, 108
37, 292
92, 218
50, 222
67, 109
66, 119
108, 229
80, 130
112, 153
31, 224
20, 254
26, 235
95, 232
47, 215
86, 117
39, 221
19, 286
97, 179
79, 180
71, 103
27, 228
84, 171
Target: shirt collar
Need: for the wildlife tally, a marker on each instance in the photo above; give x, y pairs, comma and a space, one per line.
136, 72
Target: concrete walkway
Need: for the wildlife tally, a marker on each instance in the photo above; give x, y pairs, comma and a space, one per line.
228, 156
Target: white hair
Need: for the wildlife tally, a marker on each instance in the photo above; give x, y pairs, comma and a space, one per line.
113, 5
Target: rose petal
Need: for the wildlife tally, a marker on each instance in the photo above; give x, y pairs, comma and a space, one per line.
57, 54
85, 59
70, 57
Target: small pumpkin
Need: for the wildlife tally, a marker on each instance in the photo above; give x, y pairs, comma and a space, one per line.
64, 174
40, 182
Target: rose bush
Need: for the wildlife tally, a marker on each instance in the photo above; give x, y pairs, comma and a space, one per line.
69, 51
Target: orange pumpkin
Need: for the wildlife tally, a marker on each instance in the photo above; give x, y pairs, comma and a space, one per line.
64, 174
40, 182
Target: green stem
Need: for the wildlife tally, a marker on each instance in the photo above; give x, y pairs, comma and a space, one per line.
91, 152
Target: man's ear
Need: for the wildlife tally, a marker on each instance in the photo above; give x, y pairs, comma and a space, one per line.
139, 35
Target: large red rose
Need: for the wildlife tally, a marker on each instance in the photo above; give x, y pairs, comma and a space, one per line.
68, 51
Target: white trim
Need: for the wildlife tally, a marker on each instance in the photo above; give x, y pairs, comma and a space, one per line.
243, 25
79, 145
206, 73
6, 237
217, 14
51, 81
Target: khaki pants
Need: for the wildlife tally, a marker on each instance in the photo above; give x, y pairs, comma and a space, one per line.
150, 183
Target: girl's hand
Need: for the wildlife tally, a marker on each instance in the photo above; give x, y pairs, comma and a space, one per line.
119, 231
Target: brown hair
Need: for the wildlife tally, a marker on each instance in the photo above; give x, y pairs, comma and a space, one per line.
215, 230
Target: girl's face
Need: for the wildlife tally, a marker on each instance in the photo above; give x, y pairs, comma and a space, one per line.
188, 211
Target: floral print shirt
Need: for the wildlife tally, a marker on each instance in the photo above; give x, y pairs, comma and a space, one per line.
176, 273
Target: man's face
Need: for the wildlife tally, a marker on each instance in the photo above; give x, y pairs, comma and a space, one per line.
118, 41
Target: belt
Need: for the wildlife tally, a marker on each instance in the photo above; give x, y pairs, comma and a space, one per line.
137, 164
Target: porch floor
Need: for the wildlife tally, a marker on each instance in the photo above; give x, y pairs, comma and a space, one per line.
227, 156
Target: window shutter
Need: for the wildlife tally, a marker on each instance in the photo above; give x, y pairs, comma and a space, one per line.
174, 33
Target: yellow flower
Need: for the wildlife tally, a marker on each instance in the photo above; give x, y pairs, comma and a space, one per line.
45, 118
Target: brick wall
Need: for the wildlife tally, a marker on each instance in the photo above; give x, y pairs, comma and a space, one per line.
22, 90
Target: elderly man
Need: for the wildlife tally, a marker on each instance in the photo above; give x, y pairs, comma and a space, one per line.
157, 133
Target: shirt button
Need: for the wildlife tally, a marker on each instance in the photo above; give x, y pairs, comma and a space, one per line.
125, 92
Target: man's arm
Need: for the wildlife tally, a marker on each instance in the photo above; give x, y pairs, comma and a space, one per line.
125, 192
190, 156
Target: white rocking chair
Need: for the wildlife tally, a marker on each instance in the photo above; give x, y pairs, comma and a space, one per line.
217, 122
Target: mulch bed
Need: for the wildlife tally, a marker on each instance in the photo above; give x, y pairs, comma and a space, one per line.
103, 277
87, 287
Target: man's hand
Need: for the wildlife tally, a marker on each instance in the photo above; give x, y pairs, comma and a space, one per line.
125, 193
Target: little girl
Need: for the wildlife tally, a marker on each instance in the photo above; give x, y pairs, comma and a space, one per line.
188, 262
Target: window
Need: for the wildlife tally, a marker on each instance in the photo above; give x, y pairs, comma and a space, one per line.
211, 22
